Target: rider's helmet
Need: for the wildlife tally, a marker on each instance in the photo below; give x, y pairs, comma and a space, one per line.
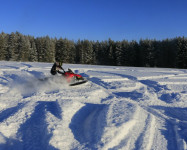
59, 62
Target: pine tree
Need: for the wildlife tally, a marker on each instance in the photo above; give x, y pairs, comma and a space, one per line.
167, 53
124, 53
23, 48
96, 49
147, 53
119, 53
45, 49
3, 46
131, 53
87, 52
32, 50
103, 53
72, 52
59, 49
49, 50
67, 51
84, 52
12, 52
182, 53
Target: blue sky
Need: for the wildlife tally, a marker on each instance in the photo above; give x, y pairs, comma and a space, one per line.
95, 19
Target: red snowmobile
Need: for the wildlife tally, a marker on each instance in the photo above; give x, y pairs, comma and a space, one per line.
74, 79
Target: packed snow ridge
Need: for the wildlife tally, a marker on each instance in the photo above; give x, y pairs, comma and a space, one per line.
119, 108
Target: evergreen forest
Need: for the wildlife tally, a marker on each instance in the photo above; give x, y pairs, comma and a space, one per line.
167, 53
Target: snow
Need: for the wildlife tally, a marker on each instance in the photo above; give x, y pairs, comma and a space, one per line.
118, 108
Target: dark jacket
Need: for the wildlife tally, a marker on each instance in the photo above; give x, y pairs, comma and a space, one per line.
54, 69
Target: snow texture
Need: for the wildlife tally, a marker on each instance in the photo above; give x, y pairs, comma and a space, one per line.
119, 108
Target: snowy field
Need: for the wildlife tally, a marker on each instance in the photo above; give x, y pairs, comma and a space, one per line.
123, 108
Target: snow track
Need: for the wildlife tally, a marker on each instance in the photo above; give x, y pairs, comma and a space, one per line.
119, 108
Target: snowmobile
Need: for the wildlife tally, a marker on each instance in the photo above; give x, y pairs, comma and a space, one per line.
70, 77
74, 79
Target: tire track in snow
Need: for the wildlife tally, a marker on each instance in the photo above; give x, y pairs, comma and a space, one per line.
13, 117
118, 131
34, 133
151, 88
5, 114
106, 86
176, 124
63, 136
120, 136
88, 123
28, 125
172, 121
181, 142
145, 140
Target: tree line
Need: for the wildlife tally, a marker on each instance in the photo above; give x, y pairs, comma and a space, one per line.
170, 53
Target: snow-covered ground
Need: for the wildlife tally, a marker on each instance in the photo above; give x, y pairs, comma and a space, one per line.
119, 108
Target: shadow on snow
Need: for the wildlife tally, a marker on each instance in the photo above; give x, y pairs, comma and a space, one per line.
87, 125
174, 113
10, 112
33, 134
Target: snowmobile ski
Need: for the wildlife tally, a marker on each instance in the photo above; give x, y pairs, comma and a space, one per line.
78, 83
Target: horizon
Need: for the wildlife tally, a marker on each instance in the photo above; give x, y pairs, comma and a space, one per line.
171, 38
96, 20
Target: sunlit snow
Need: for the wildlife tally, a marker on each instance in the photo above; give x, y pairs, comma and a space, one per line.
123, 108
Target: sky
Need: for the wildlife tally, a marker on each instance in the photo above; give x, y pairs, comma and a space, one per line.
95, 19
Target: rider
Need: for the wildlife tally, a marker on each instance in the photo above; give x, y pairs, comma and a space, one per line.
57, 66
